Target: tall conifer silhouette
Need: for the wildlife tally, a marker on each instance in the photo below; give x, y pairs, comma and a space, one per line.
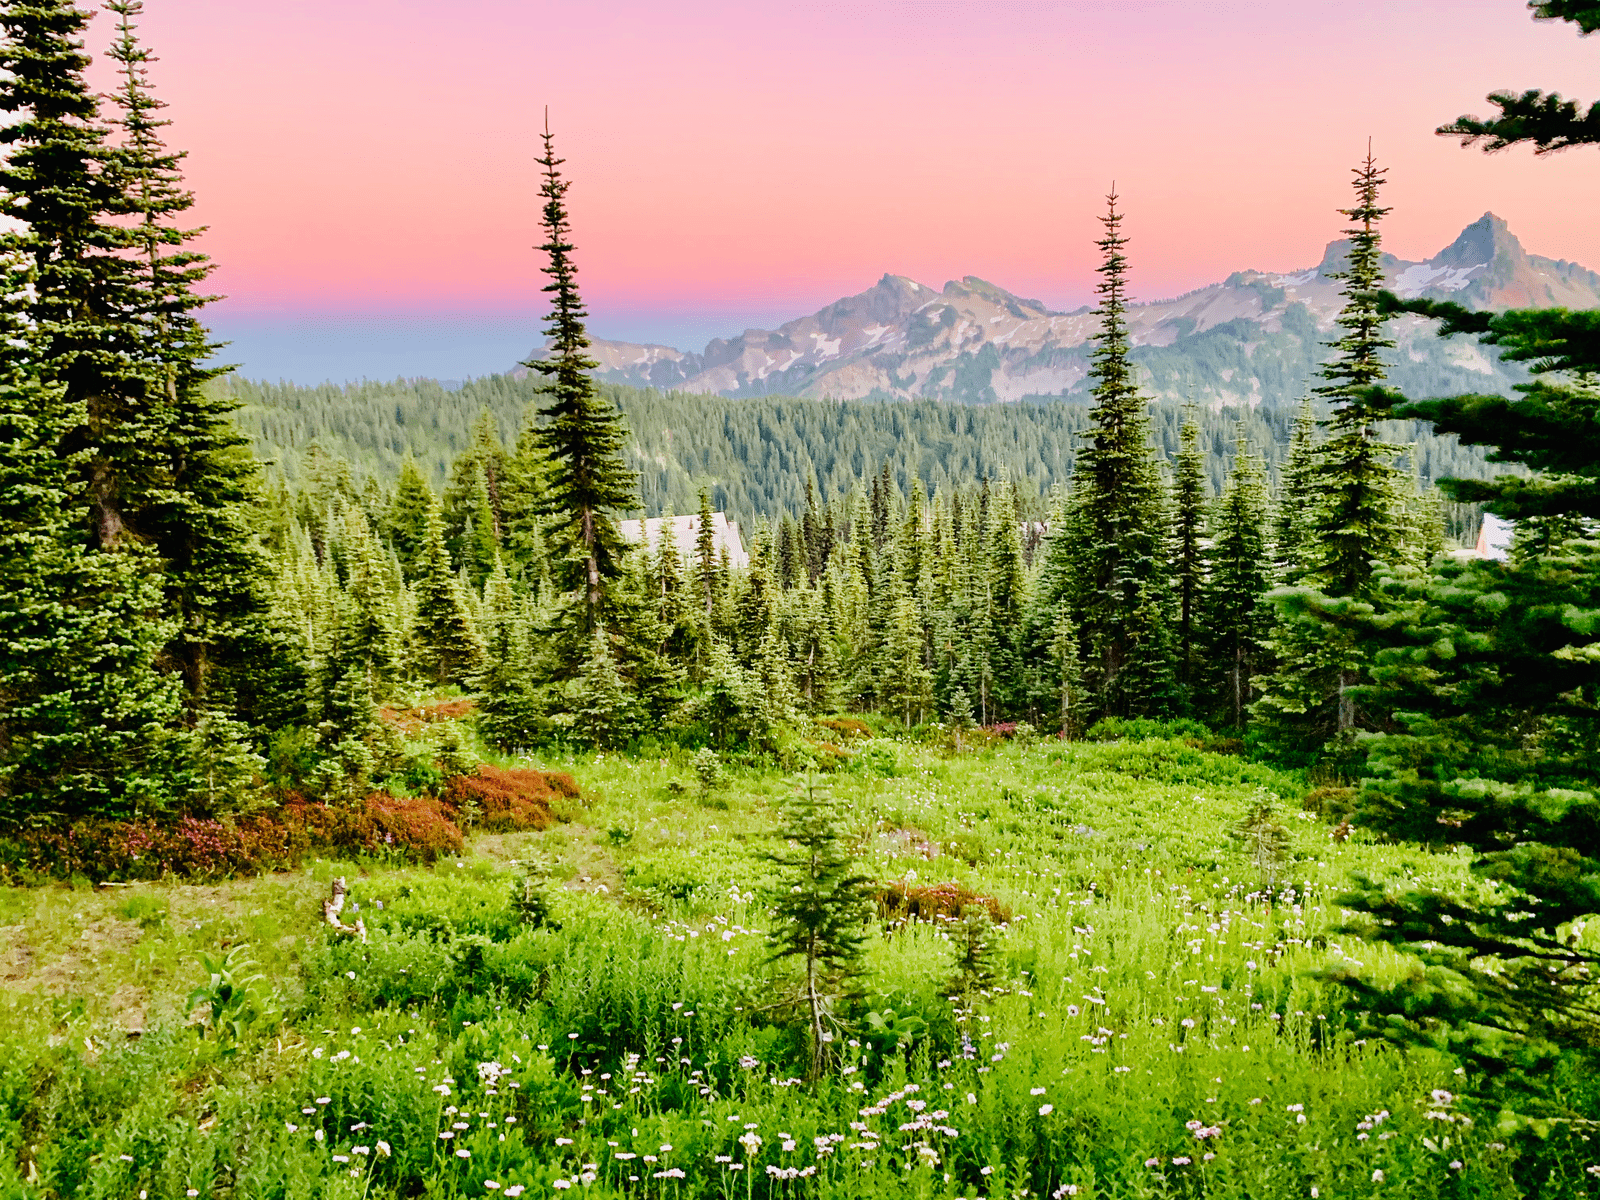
1119, 590
582, 435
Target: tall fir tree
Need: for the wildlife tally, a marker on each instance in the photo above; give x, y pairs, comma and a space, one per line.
1310, 701
1119, 583
582, 438
1355, 522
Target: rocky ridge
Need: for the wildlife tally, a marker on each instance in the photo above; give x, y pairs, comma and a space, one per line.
1256, 336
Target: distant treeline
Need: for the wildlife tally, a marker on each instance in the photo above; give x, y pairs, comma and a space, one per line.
756, 455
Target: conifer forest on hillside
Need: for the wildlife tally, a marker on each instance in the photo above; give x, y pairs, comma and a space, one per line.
1049, 799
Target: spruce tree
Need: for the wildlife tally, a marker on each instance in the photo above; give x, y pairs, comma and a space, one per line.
705, 556
406, 521
1355, 522
582, 437
445, 639
1297, 498
605, 714
1119, 585
1188, 557
1235, 620
1541, 118
1310, 701
820, 908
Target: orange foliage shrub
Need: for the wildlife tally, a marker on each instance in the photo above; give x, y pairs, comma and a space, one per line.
509, 800
903, 901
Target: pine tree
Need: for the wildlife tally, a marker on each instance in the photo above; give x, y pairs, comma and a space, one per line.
1355, 522
705, 556
1188, 556
1066, 676
512, 710
1297, 499
373, 631
1119, 578
1234, 619
405, 523
86, 719
444, 636
582, 436
819, 904
604, 712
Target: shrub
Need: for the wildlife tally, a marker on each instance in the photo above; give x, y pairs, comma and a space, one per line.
414, 829
846, 727
504, 801
901, 901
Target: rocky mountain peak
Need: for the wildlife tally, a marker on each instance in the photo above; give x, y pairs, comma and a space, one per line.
1256, 336
1487, 240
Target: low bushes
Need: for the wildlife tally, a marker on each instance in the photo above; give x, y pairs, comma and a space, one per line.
904, 901
497, 800
408, 829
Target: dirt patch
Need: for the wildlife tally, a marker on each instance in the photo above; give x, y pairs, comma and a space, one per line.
18, 959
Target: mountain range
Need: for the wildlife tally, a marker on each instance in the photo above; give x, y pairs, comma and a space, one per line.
1256, 336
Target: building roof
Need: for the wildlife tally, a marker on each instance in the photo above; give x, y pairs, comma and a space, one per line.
686, 531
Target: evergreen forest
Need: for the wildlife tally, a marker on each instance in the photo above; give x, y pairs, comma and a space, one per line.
1065, 798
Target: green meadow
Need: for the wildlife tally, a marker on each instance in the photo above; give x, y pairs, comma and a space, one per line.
594, 1008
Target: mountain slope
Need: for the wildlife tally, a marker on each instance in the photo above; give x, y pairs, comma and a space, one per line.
1255, 336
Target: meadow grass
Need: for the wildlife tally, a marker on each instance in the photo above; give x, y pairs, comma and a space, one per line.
1158, 1023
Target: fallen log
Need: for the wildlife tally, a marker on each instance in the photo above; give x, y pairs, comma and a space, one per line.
333, 906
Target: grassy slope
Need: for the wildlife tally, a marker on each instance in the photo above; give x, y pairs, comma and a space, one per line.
1149, 981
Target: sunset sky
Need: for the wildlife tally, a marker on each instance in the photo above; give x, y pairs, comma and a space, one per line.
367, 171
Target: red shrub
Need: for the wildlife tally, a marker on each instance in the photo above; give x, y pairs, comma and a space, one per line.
508, 800
901, 901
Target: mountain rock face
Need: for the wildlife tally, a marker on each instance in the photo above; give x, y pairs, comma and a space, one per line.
1256, 336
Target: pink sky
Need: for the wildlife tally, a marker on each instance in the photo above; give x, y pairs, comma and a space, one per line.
367, 157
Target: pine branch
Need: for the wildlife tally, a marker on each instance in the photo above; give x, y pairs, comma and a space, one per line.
1542, 118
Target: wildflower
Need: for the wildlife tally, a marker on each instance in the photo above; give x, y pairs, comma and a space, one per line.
360, 1149
491, 1185
1036, 1092
986, 1171
561, 1183
971, 1099
1046, 1109
1183, 1160
446, 1134
1456, 1165
463, 1153
1377, 1176
514, 1190
1152, 1162
563, 1141
290, 1126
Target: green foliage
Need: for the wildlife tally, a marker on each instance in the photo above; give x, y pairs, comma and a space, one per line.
1119, 585
707, 766
229, 1001
819, 905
